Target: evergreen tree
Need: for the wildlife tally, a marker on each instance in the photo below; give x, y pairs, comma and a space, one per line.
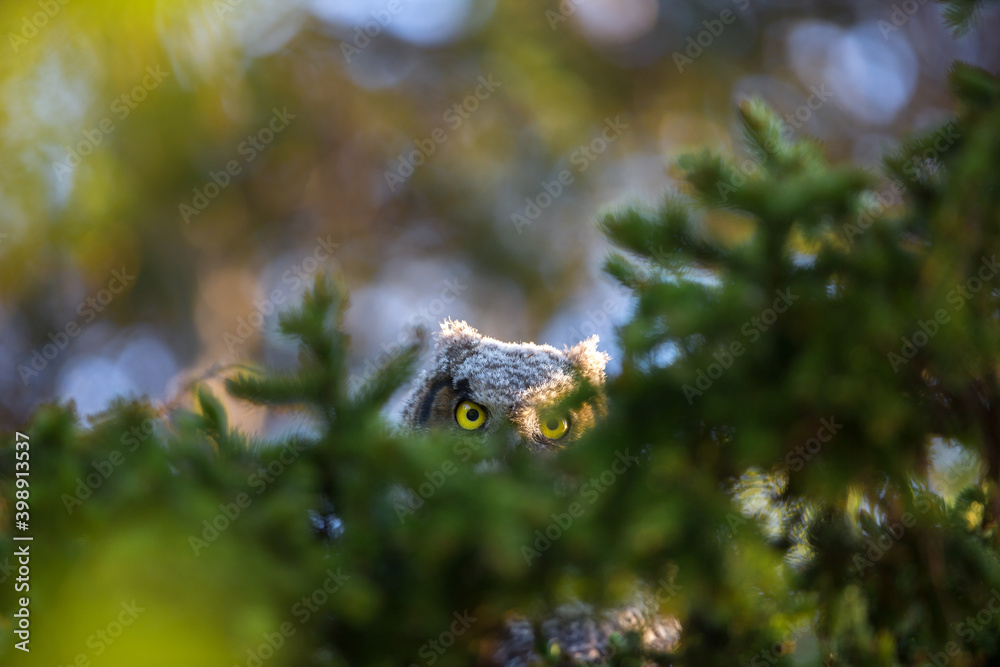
810, 417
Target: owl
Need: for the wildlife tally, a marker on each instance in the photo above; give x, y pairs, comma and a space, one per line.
481, 385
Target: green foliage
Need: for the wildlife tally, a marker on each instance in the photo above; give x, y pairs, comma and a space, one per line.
775, 414
960, 15
858, 345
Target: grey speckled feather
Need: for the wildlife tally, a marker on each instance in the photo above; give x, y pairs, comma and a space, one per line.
513, 381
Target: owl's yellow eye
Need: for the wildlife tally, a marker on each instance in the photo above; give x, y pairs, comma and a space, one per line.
553, 427
470, 416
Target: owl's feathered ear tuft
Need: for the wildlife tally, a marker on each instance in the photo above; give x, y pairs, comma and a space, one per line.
590, 361
456, 339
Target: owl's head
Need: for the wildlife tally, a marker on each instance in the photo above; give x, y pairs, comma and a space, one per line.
479, 385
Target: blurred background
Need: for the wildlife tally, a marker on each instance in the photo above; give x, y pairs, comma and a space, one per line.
176, 172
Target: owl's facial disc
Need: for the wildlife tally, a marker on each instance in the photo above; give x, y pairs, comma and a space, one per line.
543, 426
490, 388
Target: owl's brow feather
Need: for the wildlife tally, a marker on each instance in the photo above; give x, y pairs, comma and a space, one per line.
428, 402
